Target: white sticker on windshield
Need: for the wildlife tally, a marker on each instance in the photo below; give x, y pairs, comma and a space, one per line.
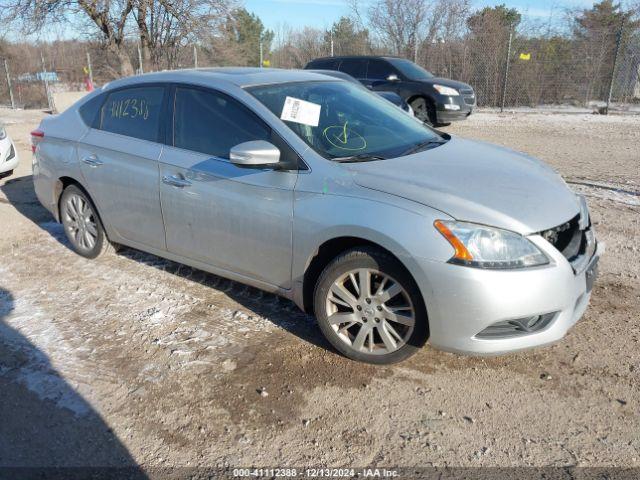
300, 111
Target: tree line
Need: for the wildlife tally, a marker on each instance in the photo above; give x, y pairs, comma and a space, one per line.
449, 37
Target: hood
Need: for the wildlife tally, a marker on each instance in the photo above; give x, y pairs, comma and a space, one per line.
447, 82
476, 182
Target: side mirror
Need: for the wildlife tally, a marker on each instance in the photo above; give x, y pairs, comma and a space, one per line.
254, 154
392, 78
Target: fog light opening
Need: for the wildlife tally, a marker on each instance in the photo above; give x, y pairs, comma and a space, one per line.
517, 327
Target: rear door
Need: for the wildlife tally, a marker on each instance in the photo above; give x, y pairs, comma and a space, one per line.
234, 218
119, 161
356, 67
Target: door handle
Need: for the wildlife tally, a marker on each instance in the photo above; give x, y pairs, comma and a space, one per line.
176, 181
92, 160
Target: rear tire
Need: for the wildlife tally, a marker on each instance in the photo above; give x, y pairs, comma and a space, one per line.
369, 308
82, 224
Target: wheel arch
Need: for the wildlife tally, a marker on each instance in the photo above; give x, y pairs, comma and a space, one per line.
329, 250
61, 184
415, 96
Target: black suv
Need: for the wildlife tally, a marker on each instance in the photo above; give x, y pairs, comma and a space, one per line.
434, 100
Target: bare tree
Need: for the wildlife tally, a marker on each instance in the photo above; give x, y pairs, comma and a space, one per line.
403, 25
442, 50
309, 44
164, 26
295, 48
399, 23
108, 19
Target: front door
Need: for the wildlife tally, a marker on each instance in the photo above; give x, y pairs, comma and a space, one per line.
232, 218
378, 72
119, 161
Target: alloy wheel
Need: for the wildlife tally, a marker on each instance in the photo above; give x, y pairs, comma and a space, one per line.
421, 110
370, 311
80, 222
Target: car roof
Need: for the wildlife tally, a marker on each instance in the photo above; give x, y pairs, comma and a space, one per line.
335, 74
239, 76
357, 57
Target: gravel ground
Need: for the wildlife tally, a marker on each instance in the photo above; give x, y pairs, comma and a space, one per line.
136, 360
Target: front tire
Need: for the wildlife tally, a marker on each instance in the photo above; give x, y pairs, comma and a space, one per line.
369, 308
424, 110
82, 224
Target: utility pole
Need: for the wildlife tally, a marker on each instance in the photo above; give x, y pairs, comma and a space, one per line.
506, 71
89, 67
331, 35
46, 83
615, 64
141, 71
195, 57
261, 54
6, 70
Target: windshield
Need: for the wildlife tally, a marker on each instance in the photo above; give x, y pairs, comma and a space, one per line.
410, 69
340, 120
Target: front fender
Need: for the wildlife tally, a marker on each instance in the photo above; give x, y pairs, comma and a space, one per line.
408, 233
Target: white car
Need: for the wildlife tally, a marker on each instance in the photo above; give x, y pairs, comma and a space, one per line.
8, 154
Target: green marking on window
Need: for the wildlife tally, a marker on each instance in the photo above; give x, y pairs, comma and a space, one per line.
132, 108
344, 138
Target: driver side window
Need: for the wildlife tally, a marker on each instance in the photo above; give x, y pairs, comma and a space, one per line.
211, 123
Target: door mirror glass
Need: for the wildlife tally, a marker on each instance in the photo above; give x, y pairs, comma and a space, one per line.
255, 153
392, 78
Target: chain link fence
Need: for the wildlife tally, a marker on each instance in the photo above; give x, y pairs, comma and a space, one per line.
507, 69
510, 70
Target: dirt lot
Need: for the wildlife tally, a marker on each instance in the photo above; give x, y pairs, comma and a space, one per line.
136, 360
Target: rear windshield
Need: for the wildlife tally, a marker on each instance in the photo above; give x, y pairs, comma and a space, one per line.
338, 119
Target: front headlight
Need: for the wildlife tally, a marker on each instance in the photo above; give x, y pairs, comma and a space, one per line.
487, 247
3, 133
448, 91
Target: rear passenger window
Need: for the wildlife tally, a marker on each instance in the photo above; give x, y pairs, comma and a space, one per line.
325, 64
211, 123
134, 112
356, 67
90, 109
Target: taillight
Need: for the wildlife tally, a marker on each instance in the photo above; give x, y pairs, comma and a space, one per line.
36, 135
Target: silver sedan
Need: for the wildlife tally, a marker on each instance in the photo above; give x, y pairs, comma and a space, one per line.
301, 184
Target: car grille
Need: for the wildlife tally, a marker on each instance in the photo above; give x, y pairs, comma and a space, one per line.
567, 238
468, 96
574, 239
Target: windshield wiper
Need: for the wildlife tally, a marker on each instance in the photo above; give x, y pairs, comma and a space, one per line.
423, 146
362, 157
